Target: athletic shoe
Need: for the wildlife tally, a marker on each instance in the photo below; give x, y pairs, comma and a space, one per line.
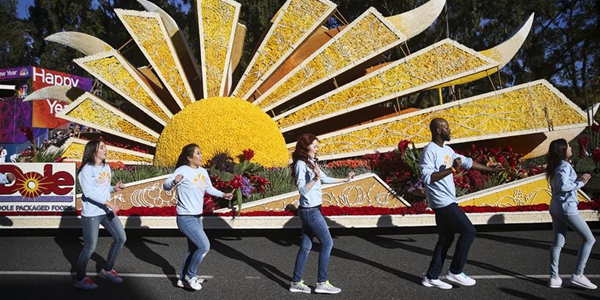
111, 275
193, 283
299, 287
461, 278
326, 288
180, 282
435, 283
555, 282
86, 284
582, 281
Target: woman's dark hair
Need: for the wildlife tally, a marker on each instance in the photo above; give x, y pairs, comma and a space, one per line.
186, 152
89, 154
301, 152
557, 152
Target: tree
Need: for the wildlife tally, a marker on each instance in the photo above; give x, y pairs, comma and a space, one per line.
15, 47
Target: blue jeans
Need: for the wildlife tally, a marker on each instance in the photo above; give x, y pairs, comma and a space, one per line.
313, 224
576, 222
198, 244
91, 226
450, 220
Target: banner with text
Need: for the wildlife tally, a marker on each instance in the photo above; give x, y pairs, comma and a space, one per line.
44, 111
38, 187
15, 73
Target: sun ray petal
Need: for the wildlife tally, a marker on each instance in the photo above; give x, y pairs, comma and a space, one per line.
295, 22
369, 35
84, 43
150, 34
217, 27
441, 62
73, 150
184, 51
94, 112
114, 71
521, 110
502, 53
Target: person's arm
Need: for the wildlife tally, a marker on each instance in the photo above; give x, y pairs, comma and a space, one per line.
327, 179
300, 172
429, 174
211, 190
172, 181
479, 167
566, 184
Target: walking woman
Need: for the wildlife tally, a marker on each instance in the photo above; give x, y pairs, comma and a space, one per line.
309, 177
94, 178
563, 209
192, 182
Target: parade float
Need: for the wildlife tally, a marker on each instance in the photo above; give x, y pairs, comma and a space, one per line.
304, 77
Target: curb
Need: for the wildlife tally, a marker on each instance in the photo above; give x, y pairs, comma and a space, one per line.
213, 222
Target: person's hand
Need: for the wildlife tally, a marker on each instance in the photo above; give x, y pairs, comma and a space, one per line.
119, 186
317, 174
497, 168
11, 177
227, 196
457, 163
585, 178
350, 176
177, 179
115, 208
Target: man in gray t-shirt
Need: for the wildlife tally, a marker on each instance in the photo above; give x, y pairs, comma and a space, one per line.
438, 165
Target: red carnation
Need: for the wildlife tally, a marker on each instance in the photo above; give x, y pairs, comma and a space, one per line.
403, 145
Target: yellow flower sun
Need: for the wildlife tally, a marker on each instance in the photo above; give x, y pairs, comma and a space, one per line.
222, 124
298, 76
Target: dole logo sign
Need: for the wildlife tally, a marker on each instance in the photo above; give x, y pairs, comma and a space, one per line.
39, 182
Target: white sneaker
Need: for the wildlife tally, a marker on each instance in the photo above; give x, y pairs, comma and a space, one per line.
299, 287
461, 278
181, 285
193, 283
326, 288
582, 281
555, 282
435, 283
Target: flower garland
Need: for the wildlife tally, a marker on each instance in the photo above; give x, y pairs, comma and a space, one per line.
417, 208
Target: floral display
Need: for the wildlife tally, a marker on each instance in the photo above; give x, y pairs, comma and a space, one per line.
222, 125
524, 107
296, 20
145, 29
219, 19
105, 118
113, 71
365, 37
444, 60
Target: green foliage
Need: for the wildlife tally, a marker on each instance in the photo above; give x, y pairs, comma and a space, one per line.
281, 182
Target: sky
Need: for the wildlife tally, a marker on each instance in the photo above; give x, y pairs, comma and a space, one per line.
22, 11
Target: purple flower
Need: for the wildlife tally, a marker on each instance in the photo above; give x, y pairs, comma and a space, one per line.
247, 187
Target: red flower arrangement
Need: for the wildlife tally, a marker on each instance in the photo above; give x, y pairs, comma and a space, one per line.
417, 208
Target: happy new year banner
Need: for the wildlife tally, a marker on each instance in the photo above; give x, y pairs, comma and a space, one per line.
44, 111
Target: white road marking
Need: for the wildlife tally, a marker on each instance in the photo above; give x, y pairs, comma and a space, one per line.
140, 275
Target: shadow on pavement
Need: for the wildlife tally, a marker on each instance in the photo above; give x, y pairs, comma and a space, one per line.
70, 242
138, 245
520, 294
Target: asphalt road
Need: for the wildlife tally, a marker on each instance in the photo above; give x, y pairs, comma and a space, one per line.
509, 262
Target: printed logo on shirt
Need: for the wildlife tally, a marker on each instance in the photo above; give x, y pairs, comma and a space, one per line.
103, 178
200, 181
447, 160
